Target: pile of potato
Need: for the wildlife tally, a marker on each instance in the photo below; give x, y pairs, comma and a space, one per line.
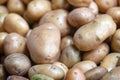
59, 40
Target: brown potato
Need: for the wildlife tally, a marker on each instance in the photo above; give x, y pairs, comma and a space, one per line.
3, 9
104, 5
48, 70
85, 66
17, 64
70, 56
97, 54
91, 35
2, 72
16, 6
80, 16
3, 1
59, 18
15, 23
15, 77
75, 74
80, 3
44, 43
96, 73
37, 8
14, 43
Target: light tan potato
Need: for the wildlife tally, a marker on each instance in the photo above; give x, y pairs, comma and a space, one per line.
110, 61
37, 8
15, 77
17, 64
80, 3
44, 43
97, 54
59, 18
14, 43
3, 9
16, 6
91, 35
80, 16
70, 56
85, 66
75, 74
3, 1
96, 73
48, 70
104, 5
2, 72
114, 74
15, 23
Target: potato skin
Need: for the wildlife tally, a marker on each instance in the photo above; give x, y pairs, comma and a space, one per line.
80, 16
97, 54
102, 27
44, 43
15, 77
3, 9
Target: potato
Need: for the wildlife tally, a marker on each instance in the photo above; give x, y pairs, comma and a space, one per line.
2, 38
40, 77
66, 41
48, 70
97, 54
3, 9
85, 66
80, 16
17, 64
37, 8
15, 23
16, 6
2, 72
15, 77
14, 43
59, 18
75, 74
96, 73
110, 61
44, 43
70, 56
80, 3
104, 5
114, 74
3, 1
91, 35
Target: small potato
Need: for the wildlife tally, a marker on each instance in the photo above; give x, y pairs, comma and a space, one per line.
91, 35
97, 54
85, 66
17, 64
114, 74
80, 16
44, 43
37, 8
70, 56
2, 72
3, 1
80, 3
3, 9
66, 41
15, 77
104, 5
14, 43
96, 73
15, 23
75, 74
48, 70
59, 18
110, 61
16, 6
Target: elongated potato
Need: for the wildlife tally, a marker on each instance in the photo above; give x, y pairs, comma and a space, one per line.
44, 43
97, 54
91, 35
48, 70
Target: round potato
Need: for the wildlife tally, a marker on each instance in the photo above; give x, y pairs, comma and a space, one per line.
44, 43
14, 43
15, 23
48, 70
3, 9
17, 64
80, 16
91, 35
15, 77
3, 1
2, 72
97, 54
85, 66
59, 18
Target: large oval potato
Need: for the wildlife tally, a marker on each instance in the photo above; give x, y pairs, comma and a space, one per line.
44, 43
91, 35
